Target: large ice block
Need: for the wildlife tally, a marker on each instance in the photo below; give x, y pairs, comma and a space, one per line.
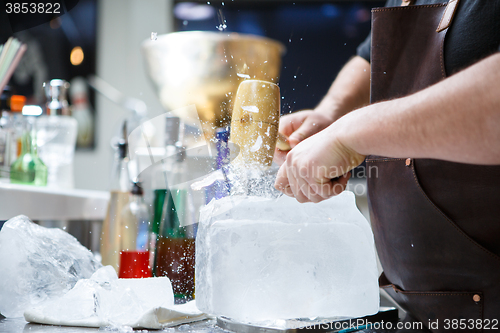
267, 259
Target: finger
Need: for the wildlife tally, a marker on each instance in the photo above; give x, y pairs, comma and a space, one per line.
340, 184
301, 195
307, 192
288, 191
291, 122
279, 156
316, 193
333, 187
308, 128
296, 183
281, 181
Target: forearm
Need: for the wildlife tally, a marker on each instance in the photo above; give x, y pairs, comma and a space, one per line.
349, 91
457, 119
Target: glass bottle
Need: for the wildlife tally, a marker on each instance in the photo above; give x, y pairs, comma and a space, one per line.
11, 129
175, 249
173, 134
17, 126
220, 188
120, 188
5, 132
57, 131
82, 112
28, 168
134, 237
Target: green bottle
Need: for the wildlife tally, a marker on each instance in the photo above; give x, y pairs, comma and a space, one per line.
28, 168
175, 247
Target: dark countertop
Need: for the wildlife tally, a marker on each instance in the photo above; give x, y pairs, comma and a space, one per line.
19, 325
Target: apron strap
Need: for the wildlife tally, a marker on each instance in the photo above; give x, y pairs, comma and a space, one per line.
448, 14
407, 3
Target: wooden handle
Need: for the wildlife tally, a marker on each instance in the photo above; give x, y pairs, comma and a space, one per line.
254, 122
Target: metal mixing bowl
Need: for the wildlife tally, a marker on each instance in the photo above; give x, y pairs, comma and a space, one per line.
205, 69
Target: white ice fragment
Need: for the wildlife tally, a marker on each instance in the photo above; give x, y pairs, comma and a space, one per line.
154, 36
246, 76
117, 329
221, 27
251, 108
256, 146
37, 263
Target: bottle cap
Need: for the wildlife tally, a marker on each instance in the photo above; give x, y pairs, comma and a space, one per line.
122, 145
4, 98
17, 102
122, 148
57, 103
137, 189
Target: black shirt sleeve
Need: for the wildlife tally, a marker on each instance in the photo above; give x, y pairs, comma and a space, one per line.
364, 48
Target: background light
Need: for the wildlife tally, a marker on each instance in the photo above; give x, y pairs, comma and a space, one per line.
76, 56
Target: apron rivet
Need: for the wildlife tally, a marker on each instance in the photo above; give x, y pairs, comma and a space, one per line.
476, 298
408, 162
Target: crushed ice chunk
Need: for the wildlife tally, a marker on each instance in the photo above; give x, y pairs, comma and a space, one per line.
251, 108
117, 329
105, 300
37, 263
154, 36
221, 27
256, 146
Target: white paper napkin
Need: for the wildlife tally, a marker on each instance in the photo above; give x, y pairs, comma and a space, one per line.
105, 300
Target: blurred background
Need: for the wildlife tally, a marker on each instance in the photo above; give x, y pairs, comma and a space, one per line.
103, 38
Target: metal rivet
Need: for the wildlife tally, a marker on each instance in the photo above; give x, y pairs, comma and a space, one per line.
408, 162
476, 298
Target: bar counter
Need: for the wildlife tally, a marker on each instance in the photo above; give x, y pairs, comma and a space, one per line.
19, 325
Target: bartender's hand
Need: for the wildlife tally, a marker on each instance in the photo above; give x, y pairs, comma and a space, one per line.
299, 126
310, 167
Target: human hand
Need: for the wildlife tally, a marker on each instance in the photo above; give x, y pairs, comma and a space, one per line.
298, 126
310, 168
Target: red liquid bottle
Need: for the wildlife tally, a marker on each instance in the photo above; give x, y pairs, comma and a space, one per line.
134, 237
134, 265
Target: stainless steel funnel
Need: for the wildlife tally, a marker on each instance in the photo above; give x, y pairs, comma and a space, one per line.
205, 69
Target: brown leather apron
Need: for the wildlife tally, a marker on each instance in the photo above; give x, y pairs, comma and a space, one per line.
435, 223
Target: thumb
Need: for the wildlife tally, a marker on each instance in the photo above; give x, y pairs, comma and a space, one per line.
307, 129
